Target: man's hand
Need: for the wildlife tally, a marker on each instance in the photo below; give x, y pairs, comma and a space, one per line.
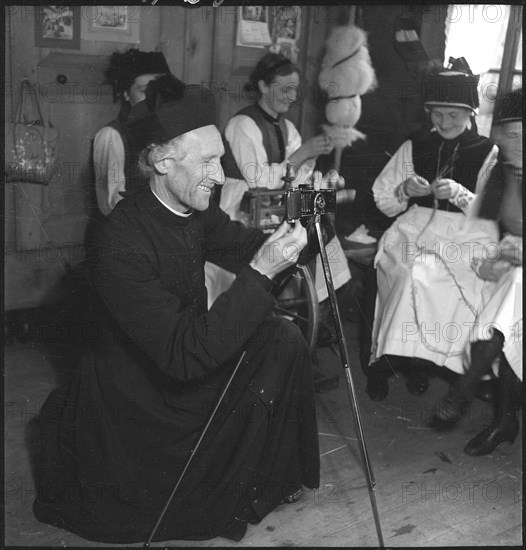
281, 250
416, 186
444, 188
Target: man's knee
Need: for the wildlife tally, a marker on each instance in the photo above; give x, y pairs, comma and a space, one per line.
278, 331
289, 333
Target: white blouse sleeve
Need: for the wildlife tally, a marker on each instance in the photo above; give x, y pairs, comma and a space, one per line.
387, 188
246, 142
487, 167
108, 159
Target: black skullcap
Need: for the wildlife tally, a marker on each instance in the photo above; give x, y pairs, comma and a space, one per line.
455, 86
159, 119
508, 107
125, 67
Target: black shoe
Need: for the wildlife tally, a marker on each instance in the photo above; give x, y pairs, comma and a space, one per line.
490, 437
377, 387
417, 383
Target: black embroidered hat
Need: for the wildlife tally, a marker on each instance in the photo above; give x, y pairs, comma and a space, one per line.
455, 86
125, 67
170, 109
508, 107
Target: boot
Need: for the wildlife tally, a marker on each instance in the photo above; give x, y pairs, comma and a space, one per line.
417, 378
505, 425
449, 409
377, 386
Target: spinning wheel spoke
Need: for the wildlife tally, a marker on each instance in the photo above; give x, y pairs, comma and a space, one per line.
299, 302
297, 299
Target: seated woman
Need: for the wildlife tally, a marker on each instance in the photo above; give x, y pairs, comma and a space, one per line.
498, 331
114, 156
427, 291
260, 142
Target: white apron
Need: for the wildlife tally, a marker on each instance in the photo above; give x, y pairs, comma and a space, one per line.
428, 294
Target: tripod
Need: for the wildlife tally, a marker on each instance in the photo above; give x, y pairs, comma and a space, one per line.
344, 355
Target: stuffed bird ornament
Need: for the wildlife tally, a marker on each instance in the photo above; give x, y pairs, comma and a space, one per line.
346, 74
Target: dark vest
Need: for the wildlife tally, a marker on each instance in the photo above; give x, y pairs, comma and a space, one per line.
432, 153
268, 127
491, 198
134, 179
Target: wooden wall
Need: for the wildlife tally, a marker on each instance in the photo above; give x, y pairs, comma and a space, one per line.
199, 45
45, 224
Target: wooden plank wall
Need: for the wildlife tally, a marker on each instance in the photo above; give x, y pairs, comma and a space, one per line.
199, 45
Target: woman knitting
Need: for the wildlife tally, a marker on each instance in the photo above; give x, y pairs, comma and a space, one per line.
427, 291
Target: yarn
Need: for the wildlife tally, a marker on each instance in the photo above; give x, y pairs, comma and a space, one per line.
346, 74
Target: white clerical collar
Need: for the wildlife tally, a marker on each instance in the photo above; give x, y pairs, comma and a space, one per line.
182, 214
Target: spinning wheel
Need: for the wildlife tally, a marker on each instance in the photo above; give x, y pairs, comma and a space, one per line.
297, 300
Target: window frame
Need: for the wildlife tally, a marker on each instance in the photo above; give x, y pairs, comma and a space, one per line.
511, 47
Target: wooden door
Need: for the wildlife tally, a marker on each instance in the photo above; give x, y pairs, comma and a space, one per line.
79, 104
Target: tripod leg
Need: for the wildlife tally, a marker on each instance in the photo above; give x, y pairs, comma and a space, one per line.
344, 356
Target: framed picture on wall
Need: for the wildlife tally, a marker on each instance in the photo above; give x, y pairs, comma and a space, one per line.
57, 27
252, 29
111, 23
286, 31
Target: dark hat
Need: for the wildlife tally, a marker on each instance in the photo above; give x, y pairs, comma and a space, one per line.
161, 117
125, 67
508, 107
455, 86
163, 89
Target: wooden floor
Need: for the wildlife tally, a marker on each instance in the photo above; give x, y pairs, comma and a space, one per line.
428, 492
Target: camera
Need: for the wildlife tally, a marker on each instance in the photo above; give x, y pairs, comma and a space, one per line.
305, 201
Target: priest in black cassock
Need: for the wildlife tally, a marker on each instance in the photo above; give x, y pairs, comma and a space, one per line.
116, 439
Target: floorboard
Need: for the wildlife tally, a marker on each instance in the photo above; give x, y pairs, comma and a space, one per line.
428, 492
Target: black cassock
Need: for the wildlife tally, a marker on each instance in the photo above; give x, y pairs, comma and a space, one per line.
116, 439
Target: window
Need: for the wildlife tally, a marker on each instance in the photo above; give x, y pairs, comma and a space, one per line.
489, 37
